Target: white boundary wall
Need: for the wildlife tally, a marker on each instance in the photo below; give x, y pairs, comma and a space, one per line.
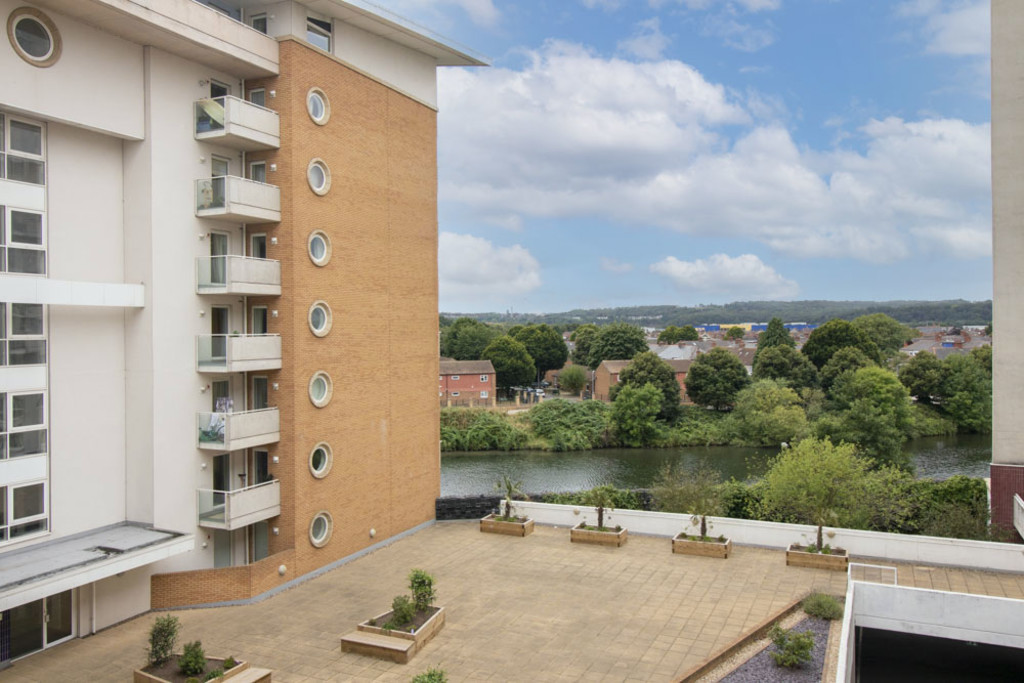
982, 555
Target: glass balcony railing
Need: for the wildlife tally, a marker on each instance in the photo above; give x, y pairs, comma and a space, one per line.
235, 431
237, 199
238, 275
237, 123
222, 353
238, 508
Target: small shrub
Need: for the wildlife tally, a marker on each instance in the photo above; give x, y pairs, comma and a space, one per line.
193, 660
372, 621
162, 637
422, 586
794, 648
431, 676
216, 673
230, 663
402, 610
192, 679
823, 606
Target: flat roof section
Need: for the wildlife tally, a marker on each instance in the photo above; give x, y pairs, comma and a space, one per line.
53, 566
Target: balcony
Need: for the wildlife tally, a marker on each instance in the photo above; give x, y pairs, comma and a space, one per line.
240, 275
238, 124
222, 353
229, 198
235, 431
232, 510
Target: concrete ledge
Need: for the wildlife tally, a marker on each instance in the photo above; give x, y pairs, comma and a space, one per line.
382, 647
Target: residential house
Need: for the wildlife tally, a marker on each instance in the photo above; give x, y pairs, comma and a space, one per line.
467, 383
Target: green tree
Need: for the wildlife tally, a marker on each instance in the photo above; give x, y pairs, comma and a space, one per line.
735, 333
510, 489
922, 376
634, 414
967, 393
988, 330
768, 413
715, 378
775, 334
545, 346
674, 335
846, 360
601, 498
786, 364
466, 338
512, 363
618, 341
583, 337
693, 493
647, 368
888, 334
819, 483
873, 412
983, 354
572, 379
834, 335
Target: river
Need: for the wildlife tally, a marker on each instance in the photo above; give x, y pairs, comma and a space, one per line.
465, 474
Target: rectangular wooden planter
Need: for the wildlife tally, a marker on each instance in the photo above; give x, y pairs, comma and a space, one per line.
713, 548
615, 538
141, 676
373, 641
837, 560
491, 525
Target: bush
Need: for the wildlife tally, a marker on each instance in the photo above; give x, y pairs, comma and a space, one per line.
193, 660
402, 610
571, 426
216, 673
192, 679
622, 499
794, 648
163, 635
422, 586
230, 663
431, 676
823, 606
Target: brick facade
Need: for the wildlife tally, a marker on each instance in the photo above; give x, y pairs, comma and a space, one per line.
1006, 481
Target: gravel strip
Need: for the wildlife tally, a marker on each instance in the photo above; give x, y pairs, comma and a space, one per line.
761, 668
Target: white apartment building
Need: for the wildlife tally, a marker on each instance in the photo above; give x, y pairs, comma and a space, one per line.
167, 296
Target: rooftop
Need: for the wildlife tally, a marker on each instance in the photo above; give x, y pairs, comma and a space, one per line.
519, 609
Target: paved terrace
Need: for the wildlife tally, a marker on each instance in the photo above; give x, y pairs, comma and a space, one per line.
519, 609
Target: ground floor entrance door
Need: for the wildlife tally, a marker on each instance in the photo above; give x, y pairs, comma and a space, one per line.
35, 625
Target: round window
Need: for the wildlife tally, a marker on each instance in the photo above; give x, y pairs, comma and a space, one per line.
320, 389
318, 106
319, 176
320, 460
34, 36
319, 247
320, 529
320, 318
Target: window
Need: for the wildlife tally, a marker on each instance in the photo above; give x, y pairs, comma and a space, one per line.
258, 171
484, 394
318, 33
485, 378
22, 334
455, 393
319, 247
258, 245
34, 37
258, 96
259, 320
22, 424
320, 460
320, 529
259, 22
22, 242
320, 389
320, 318
319, 176
318, 106
25, 146
22, 510
260, 393
455, 378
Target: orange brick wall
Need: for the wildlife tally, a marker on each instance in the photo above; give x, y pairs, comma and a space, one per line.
203, 586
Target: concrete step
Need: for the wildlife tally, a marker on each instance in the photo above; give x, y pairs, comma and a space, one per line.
252, 675
398, 650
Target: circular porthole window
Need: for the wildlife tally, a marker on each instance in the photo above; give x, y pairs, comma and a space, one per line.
320, 460
320, 529
318, 106
34, 36
319, 176
319, 247
320, 389
320, 318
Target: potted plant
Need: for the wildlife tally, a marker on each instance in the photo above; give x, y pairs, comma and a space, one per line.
699, 495
506, 523
192, 664
601, 498
403, 631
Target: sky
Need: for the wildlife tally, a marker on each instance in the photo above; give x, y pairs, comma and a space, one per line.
632, 152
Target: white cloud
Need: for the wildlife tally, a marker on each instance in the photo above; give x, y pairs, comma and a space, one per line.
737, 34
472, 268
613, 266
953, 27
573, 135
745, 276
647, 41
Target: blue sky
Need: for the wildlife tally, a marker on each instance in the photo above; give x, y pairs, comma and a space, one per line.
623, 152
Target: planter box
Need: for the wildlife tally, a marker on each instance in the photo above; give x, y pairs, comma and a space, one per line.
712, 548
837, 560
398, 646
140, 676
615, 538
491, 525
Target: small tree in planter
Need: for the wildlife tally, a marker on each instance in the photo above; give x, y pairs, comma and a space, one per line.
601, 498
163, 636
509, 488
699, 495
506, 523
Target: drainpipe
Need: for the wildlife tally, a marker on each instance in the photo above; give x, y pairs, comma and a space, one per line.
92, 612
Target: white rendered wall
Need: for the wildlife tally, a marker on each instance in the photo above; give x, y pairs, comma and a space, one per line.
96, 83
406, 70
121, 597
